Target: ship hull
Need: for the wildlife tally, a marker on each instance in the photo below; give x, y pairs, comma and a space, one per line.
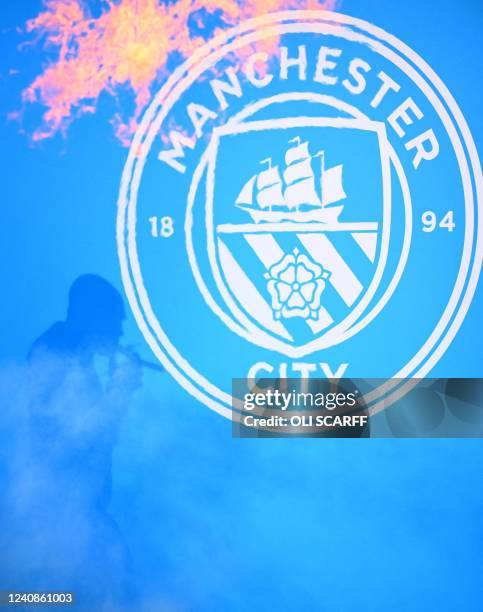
329, 214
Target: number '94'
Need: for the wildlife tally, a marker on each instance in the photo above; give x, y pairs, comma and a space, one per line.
431, 221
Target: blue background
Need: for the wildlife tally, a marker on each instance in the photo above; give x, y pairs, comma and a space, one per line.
215, 523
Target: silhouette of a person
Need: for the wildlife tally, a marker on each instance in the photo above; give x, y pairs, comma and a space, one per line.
80, 389
94, 320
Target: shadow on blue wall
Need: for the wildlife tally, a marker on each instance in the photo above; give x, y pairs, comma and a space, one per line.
80, 383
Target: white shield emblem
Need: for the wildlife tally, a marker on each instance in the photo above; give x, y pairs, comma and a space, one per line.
296, 246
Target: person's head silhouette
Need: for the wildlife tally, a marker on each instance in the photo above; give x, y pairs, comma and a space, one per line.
95, 316
95, 313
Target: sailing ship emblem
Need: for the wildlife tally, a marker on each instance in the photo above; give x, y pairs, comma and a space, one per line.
304, 191
296, 247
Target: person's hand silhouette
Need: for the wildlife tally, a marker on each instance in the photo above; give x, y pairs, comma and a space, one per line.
126, 372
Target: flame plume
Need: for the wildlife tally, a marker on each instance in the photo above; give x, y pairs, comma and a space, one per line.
127, 47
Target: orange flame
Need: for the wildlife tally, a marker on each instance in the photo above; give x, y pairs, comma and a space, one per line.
126, 48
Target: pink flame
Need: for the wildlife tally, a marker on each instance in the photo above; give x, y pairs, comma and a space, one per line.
126, 48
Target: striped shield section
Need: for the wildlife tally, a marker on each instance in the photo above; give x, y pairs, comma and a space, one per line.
349, 257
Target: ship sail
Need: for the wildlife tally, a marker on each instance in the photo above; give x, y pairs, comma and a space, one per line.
301, 192
268, 177
297, 171
298, 152
271, 196
332, 188
299, 176
246, 194
269, 185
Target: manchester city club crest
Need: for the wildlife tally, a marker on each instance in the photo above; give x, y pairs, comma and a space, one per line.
296, 256
300, 200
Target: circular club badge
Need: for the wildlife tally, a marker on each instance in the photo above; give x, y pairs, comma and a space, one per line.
300, 200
